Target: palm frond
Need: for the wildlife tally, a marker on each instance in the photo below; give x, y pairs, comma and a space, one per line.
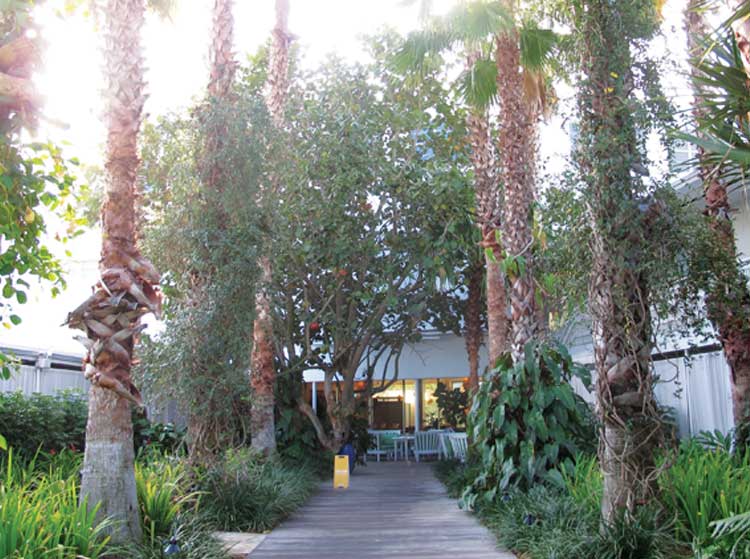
537, 46
478, 84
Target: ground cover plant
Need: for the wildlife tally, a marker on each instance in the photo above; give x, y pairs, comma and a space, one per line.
704, 494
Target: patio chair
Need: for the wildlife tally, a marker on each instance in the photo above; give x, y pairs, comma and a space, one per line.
426, 443
459, 445
384, 443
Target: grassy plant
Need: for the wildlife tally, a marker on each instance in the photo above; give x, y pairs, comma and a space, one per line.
194, 536
162, 495
705, 485
583, 481
455, 476
248, 492
41, 516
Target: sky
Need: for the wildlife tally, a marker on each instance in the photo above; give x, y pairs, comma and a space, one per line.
176, 54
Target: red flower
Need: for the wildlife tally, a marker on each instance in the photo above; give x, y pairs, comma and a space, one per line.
314, 327
52, 452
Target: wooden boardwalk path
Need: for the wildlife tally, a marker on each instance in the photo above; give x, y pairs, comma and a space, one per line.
395, 510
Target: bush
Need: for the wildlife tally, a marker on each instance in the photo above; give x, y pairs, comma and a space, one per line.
53, 423
455, 475
248, 492
704, 485
31, 423
526, 420
41, 516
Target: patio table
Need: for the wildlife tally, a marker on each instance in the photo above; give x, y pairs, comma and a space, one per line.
404, 441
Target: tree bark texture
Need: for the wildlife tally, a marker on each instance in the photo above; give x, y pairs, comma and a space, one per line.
263, 370
473, 322
489, 201
618, 293
517, 149
127, 290
728, 304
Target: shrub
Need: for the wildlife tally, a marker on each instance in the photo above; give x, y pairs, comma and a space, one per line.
452, 405
582, 480
30, 423
248, 492
526, 420
704, 485
161, 437
455, 475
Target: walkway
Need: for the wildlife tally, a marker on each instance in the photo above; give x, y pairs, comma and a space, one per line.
394, 510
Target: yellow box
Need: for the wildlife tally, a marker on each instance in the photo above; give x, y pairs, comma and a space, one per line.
341, 471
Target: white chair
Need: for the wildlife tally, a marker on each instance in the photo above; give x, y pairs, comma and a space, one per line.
459, 445
426, 443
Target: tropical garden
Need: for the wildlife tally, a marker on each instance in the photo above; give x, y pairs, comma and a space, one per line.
299, 218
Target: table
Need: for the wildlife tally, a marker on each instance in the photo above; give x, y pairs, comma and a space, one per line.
403, 441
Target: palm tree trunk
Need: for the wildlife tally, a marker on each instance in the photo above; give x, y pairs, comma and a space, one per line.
728, 305
473, 322
517, 149
127, 290
618, 294
263, 370
488, 198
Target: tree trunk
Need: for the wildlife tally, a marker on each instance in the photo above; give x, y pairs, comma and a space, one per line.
473, 322
263, 369
517, 149
488, 198
108, 474
618, 294
728, 304
126, 291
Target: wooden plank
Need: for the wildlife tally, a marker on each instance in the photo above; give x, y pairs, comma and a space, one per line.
391, 509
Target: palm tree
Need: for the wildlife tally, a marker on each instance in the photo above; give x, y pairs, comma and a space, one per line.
728, 299
520, 52
741, 28
618, 292
263, 370
473, 321
127, 289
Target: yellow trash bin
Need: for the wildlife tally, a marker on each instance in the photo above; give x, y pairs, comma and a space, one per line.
341, 472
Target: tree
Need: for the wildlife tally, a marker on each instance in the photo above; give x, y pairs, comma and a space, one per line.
515, 79
34, 177
719, 81
263, 369
128, 288
608, 154
365, 229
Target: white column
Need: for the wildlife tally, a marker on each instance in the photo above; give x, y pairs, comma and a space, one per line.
314, 397
418, 405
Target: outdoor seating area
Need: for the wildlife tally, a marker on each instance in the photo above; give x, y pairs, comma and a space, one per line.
437, 444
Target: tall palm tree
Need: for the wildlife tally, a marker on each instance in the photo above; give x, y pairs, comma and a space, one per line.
473, 321
505, 216
618, 292
741, 28
263, 369
728, 300
518, 152
127, 288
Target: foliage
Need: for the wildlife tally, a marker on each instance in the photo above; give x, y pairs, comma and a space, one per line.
525, 420
53, 423
161, 484
35, 183
703, 486
373, 200
582, 480
248, 492
455, 475
159, 437
49, 423
41, 515
193, 535
452, 404
210, 269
